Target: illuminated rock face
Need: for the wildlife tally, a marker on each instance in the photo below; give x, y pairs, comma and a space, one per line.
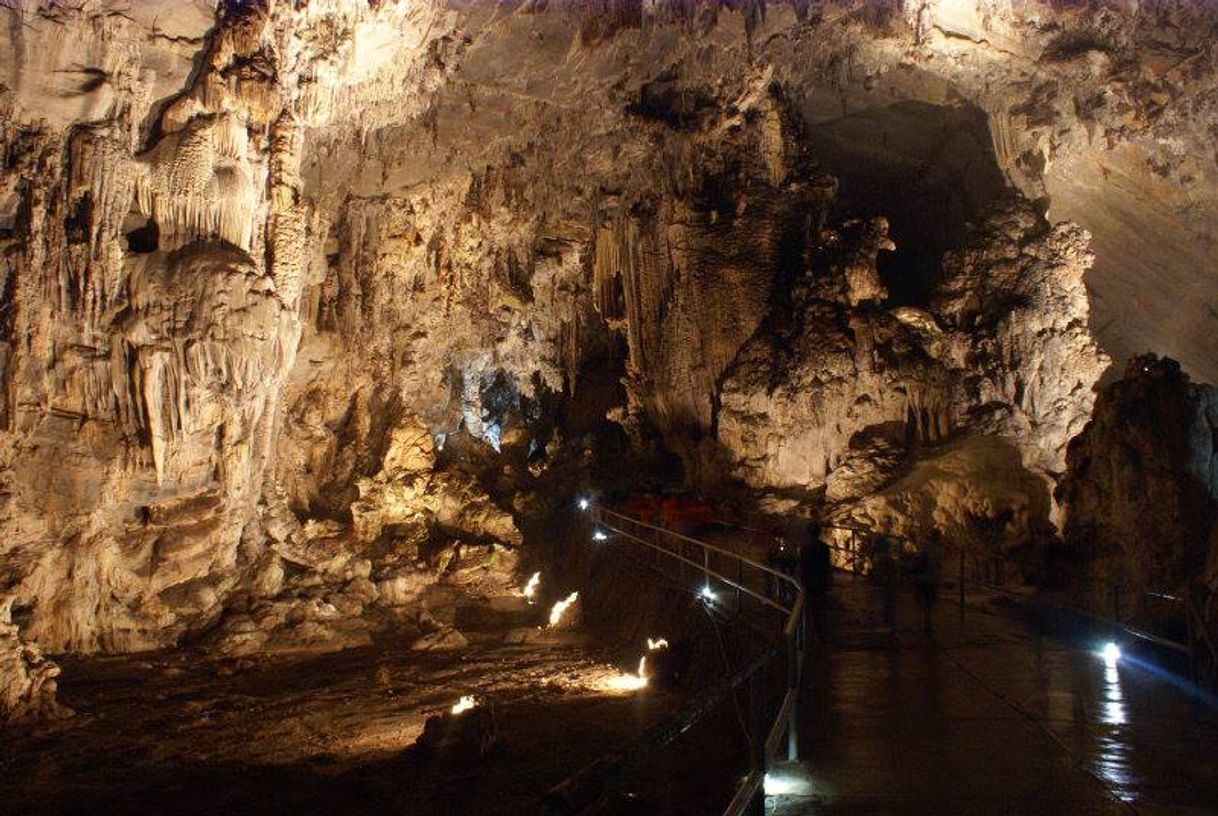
155, 243
1002, 348
258, 261
27, 679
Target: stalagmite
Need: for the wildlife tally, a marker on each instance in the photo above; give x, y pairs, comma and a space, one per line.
27, 679
303, 304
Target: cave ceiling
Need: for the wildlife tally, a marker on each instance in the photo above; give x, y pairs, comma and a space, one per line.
1104, 111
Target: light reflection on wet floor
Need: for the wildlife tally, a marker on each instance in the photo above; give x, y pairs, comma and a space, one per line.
1111, 762
992, 717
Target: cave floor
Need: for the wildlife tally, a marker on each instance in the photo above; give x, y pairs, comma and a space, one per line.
991, 717
176, 733
988, 717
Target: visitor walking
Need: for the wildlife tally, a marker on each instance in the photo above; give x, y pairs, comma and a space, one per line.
886, 573
927, 576
783, 556
816, 573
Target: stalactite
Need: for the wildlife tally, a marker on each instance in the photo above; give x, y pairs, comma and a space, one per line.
632, 284
201, 183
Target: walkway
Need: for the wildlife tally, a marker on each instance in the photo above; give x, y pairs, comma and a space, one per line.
990, 718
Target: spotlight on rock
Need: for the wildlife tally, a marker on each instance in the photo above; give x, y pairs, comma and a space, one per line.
584, 504
464, 704
530, 589
560, 609
600, 535
707, 594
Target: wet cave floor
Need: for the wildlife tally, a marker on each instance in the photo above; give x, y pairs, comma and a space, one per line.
992, 714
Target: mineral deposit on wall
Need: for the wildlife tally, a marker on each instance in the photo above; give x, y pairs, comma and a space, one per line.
260, 259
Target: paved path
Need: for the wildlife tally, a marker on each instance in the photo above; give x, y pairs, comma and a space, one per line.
989, 717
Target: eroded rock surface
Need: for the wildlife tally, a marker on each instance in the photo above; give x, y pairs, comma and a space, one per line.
1003, 348
260, 260
1141, 494
27, 679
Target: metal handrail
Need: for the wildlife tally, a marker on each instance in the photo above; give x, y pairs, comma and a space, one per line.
786, 718
1197, 632
603, 514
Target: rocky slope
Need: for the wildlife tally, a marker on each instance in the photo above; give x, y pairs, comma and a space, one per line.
1003, 349
260, 260
1142, 491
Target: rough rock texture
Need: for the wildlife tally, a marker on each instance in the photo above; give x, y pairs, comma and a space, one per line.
1106, 109
1141, 494
1015, 310
974, 490
27, 679
255, 258
1003, 349
154, 248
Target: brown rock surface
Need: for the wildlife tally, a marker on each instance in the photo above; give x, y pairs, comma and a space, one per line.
1141, 494
258, 261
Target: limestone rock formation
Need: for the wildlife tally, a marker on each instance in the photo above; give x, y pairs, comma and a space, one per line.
154, 253
974, 490
1141, 494
27, 679
260, 261
1015, 310
1003, 348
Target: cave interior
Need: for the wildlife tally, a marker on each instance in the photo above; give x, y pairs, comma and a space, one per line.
617, 407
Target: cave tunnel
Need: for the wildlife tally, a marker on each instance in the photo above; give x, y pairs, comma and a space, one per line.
930, 169
522, 408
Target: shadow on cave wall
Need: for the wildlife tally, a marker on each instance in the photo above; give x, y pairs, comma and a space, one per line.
929, 168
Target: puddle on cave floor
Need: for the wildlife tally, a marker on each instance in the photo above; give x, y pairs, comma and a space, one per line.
176, 733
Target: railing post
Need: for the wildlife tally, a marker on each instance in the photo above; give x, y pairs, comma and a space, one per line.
1188, 628
757, 744
739, 583
794, 661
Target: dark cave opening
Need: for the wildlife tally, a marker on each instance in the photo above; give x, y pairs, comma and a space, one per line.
930, 169
142, 234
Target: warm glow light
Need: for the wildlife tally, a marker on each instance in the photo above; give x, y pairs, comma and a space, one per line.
785, 784
600, 535
634, 682
559, 609
640, 680
530, 589
464, 704
1111, 653
624, 682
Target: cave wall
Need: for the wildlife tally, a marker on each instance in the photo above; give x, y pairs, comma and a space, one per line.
1141, 494
154, 263
250, 251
